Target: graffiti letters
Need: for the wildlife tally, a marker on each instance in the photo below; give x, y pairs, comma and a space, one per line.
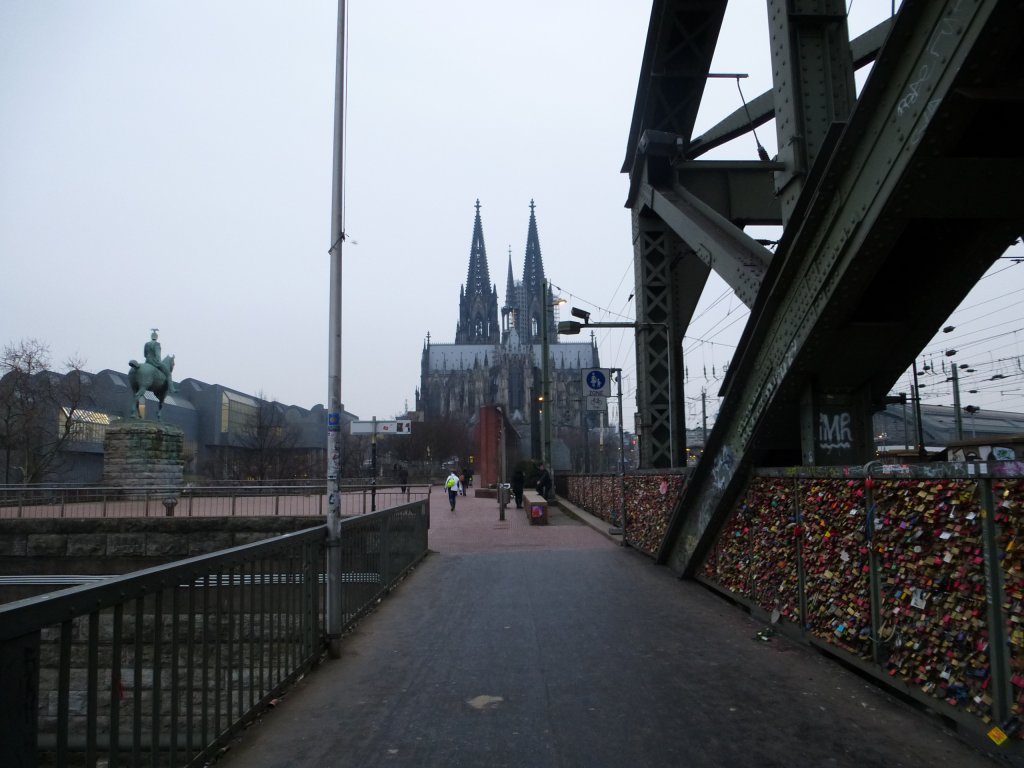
834, 431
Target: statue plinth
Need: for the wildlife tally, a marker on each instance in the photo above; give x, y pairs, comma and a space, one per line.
143, 454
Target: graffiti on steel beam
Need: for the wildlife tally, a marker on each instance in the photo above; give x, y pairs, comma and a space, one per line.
835, 431
725, 467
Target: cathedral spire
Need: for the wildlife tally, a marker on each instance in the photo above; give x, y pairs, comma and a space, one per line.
510, 309
533, 266
531, 321
510, 283
478, 299
478, 279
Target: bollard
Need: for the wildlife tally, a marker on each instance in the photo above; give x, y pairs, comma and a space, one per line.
169, 504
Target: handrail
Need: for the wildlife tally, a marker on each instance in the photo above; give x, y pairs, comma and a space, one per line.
23, 616
206, 501
178, 657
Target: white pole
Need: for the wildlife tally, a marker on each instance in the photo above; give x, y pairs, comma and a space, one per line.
334, 354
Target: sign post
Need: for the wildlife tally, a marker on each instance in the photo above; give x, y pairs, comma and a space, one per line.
596, 381
374, 428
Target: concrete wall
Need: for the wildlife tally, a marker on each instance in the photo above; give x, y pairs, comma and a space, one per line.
115, 546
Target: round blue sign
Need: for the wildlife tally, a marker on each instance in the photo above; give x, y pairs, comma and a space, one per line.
596, 380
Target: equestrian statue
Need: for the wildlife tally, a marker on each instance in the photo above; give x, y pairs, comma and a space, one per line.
153, 375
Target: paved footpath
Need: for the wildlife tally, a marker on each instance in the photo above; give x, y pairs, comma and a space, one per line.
529, 646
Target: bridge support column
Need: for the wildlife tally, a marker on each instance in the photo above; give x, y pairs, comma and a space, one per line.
835, 430
661, 262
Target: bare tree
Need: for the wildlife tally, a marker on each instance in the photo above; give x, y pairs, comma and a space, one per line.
439, 438
269, 443
38, 410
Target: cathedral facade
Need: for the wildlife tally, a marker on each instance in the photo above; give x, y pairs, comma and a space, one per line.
500, 364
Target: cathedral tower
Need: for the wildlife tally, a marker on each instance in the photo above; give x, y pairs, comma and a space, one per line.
478, 299
529, 321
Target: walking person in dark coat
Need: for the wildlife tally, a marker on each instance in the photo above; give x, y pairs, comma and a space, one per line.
518, 480
543, 480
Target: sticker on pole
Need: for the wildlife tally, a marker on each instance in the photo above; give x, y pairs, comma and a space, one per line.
596, 381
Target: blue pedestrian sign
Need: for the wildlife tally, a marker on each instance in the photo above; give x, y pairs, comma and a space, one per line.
596, 381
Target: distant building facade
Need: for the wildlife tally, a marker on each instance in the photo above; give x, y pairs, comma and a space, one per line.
492, 364
228, 435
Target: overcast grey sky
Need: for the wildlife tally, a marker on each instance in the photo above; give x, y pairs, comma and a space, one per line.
169, 165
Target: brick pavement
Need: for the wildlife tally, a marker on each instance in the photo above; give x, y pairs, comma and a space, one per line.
551, 647
475, 527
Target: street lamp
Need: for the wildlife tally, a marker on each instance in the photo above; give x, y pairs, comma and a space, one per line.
571, 328
545, 372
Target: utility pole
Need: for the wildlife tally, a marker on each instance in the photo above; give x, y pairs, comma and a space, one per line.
917, 414
958, 416
704, 415
906, 434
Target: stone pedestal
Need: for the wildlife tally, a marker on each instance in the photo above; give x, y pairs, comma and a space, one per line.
143, 454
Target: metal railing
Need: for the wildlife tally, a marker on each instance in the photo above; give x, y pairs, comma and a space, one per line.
163, 665
309, 500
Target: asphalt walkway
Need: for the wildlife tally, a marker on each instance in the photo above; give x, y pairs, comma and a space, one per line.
530, 646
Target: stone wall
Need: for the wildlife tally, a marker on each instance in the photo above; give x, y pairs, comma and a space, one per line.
143, 454
107, 546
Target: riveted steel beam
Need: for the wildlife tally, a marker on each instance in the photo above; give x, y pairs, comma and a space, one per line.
739, 259
761, 108
851, 228
811, 65
669, 280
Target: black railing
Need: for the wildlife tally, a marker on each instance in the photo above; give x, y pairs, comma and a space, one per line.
163, 665
309, 500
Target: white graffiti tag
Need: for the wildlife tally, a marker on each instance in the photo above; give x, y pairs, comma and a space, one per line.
834, 431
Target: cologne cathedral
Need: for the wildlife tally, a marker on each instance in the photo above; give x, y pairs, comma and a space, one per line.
491, 364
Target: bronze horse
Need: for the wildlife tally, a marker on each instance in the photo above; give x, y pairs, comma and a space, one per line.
146, 377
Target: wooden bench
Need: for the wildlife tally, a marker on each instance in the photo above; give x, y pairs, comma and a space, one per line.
536, 507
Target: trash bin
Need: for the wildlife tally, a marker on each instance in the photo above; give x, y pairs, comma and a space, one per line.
537, 509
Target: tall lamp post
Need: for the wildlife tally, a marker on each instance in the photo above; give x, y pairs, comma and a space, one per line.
333, 597
545, 383
545, 374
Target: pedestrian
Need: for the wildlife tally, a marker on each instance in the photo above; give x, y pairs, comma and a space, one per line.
453, 486
518, 480
462, 482
403, 476
543, 480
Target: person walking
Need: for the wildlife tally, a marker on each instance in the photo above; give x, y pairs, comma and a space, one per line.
543, 481
453, 486
518, 481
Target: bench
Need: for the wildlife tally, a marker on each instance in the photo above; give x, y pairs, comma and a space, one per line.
536, 507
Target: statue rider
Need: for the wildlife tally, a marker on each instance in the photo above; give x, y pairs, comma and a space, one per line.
155, 358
